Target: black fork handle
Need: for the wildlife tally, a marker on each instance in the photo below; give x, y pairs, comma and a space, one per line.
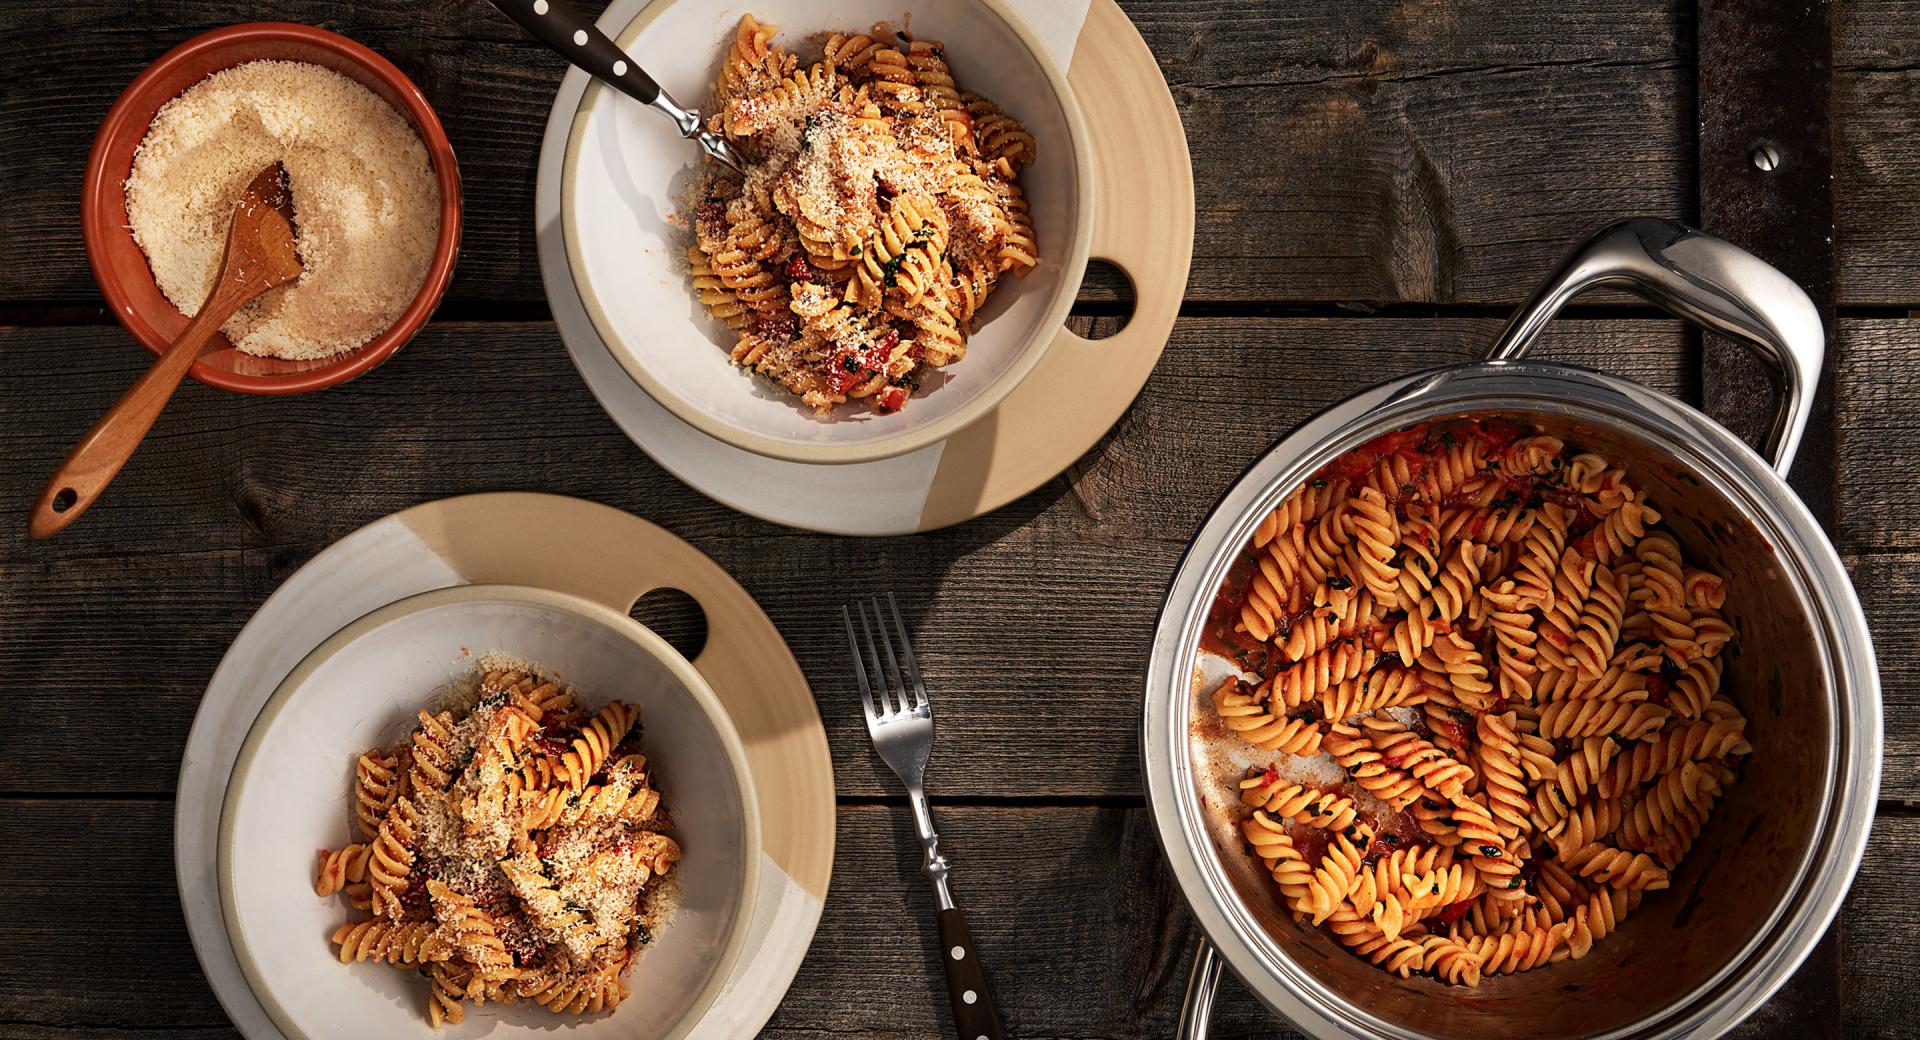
569, 34
974, 1015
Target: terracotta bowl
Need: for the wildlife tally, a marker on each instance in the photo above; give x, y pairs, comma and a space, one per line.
121, 268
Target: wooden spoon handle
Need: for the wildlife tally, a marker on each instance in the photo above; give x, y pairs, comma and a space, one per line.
107, 446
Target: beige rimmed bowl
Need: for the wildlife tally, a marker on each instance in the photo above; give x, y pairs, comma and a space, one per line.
627, 171
360, 688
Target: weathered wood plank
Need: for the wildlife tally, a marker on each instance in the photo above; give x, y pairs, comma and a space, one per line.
1877, 434
1420, 152
873, 970
1038, 883
1374, 152
1880, 998
95, 943
1348, 152
231, 493
1876, 152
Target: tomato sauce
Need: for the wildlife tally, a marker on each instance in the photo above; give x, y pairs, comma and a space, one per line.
1355, 465
1311, 843
1223, 636
1395, 830
1450, 730
1454, 911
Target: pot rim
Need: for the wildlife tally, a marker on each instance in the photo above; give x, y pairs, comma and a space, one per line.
1723, 462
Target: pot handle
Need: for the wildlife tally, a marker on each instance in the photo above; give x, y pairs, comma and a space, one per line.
1710, 282
1203, 981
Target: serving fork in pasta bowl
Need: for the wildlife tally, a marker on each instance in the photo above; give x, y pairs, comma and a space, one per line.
900, 721
574, 37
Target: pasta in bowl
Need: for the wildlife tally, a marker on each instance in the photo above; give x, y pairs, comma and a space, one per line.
880, 208
911, 228
528, 836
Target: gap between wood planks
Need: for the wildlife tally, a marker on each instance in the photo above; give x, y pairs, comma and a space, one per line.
1886, 807
40, 314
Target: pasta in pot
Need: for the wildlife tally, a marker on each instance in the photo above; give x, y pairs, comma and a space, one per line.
1516, 671
879, 209
512, 845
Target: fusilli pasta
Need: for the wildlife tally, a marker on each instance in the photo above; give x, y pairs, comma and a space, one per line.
513, 843
880, 207
1517, 673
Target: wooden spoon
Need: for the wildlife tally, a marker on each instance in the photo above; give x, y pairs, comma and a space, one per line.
259, 256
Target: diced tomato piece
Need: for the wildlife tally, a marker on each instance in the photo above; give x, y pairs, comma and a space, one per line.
882, 350
845, 373
1349, 467
1454, 911
892, 398
1356, 464
781, 328
799, 269
1499, 434
1399, 440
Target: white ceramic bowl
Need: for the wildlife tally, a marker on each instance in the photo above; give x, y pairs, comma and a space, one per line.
290, 797
627, 169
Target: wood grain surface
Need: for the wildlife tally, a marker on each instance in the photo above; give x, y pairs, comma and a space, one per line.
1055, 877
1378, 182
1367, 154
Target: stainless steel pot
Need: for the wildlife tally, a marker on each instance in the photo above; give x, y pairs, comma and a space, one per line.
1769, 873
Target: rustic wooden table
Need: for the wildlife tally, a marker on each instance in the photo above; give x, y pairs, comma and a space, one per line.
1379, 184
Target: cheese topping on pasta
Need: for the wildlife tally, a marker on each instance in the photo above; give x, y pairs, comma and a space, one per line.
879, 210
507, 849
1517, 673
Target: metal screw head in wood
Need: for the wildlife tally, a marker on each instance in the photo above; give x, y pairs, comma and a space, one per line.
1766, 158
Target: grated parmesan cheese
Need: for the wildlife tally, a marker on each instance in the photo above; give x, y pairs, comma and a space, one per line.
366, 202
608, 871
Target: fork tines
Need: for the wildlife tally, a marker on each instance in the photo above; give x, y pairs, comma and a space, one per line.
904, 687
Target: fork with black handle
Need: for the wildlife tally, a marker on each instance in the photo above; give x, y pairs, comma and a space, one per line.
574, 37
900, 721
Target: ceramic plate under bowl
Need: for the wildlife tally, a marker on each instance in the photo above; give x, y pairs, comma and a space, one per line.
290, 797
627, 171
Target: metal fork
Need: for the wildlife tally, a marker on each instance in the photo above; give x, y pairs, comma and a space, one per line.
902, 732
